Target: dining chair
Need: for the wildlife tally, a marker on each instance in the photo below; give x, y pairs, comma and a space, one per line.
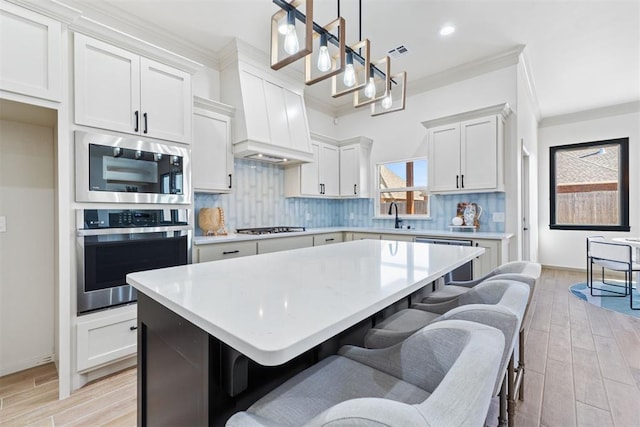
613, 256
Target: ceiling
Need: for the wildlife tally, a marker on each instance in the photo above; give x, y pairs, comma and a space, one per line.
581, 54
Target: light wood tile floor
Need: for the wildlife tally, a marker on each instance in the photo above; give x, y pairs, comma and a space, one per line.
583, 369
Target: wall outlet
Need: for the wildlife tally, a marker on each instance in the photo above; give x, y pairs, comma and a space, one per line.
498, 217
3, 224
307, 216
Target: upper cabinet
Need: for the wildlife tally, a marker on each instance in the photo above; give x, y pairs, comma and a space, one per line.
466, 151
122, 91
30, 53
355, 167
339, 169
212, 159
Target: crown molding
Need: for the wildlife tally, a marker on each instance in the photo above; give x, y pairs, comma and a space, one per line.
593, 114
465, 71
500, 109
531, 87
50, 8
215, 106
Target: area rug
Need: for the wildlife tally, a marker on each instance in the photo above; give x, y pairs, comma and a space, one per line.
619, 304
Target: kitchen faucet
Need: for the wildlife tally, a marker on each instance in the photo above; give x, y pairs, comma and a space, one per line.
398, 220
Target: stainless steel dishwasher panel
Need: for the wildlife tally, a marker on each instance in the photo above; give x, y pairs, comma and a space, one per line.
462, 273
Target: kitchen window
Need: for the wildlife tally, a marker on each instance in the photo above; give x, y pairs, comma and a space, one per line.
405, 183
589, 186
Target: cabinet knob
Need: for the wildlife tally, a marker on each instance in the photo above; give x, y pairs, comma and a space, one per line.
230, 252
133, 328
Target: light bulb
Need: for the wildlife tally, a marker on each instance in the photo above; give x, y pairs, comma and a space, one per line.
324, 59
370, 89
349, 78
387, 102
291, 44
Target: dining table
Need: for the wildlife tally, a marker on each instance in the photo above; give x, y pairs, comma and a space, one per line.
208, 332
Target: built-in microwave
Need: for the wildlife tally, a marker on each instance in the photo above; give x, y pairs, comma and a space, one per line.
117, 169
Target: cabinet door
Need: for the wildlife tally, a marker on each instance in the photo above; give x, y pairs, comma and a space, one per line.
488, 261
30, 57
165, 101
479, 157
107, 86
327, 239
444, 158
211, 157
349, 170
329, 161
309, 174
284, 243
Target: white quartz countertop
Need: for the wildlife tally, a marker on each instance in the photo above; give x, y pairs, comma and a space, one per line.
232, 237
273, 307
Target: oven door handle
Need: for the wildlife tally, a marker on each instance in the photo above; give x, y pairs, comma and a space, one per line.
133, 230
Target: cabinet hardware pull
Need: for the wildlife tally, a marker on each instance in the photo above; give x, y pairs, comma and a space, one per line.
329, 240
462, 181
457, 181
355, 188
146, 123
137, 113
230, 181
230, 252
133, 328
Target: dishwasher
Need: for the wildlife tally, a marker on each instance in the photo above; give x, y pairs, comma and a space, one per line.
462, 273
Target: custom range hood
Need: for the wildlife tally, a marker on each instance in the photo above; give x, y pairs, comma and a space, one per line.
270, 123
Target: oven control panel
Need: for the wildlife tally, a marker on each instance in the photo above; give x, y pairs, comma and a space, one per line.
123, 218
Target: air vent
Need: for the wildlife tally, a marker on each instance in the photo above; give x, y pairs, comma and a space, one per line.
396, 52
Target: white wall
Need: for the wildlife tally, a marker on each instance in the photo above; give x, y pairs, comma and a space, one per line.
206, 83
27, 248
566, 248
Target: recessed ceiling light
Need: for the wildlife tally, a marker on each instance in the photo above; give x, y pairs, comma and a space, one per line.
447, 30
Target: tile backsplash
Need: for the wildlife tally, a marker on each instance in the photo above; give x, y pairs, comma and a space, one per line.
258, 200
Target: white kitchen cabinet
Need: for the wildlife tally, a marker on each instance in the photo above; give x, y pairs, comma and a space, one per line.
122, 91
317, 178
490, 260
327, 239
218, 251
397, 237
466, 152
284, 243
30, 53
355, 168
211, 154
106, 336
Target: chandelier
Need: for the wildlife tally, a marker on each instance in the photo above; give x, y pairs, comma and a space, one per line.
326, 55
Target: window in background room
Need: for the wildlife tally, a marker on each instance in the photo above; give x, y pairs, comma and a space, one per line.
590, 186
403, 182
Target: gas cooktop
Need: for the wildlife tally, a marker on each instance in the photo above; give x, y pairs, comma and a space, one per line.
268, 230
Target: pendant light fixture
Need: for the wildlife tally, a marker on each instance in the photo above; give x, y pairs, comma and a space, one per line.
350, 67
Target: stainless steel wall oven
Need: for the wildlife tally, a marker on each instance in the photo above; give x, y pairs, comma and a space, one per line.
112, 243
128, 170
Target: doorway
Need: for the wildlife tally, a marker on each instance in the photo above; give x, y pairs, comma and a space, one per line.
525, 203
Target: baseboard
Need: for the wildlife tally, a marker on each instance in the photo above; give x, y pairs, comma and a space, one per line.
26, 364
596, 273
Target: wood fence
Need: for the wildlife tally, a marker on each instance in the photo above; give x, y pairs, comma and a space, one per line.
594, 207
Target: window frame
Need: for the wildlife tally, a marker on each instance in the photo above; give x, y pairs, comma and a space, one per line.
623, 181
378, 191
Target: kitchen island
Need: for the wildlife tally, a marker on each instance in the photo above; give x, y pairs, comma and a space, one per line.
193, 320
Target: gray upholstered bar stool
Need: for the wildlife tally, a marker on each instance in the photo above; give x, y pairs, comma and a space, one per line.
500, 304
522, 271
443, 375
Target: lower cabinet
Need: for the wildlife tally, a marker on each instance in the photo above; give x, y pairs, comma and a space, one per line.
361, 236
106, 336
488, 261
284, 243
397, 237
327, 239
218, 251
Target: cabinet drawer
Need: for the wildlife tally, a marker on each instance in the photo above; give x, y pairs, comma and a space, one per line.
327, 239
215, 252
284, 243
104, 339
